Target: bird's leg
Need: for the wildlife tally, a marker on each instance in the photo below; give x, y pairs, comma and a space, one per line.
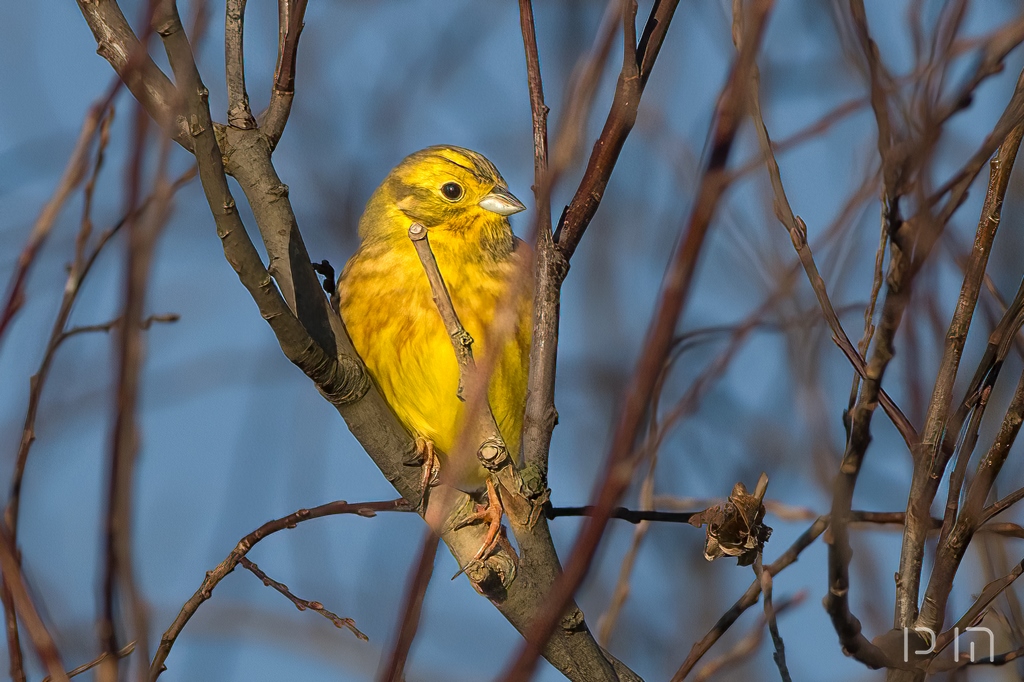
425, 456
491, 513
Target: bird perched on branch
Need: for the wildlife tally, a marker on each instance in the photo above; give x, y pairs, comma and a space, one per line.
387, 306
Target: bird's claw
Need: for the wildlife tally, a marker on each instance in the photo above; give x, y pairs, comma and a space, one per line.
491, 513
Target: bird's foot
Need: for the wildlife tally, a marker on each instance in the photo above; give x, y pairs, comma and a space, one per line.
491, 513
423, 455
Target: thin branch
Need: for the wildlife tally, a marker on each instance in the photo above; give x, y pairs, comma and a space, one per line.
540, 415
215, 576
143, 230
618, 468
462, 342
978, 609
239, 114
118, 44
290, 18
798, 235
408, 623
950, 553
749, 644
622, 513
637, 64
765, 577
17, 670
86, 667
74, 173
302, 604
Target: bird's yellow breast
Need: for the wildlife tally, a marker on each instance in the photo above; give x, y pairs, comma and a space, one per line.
387, 306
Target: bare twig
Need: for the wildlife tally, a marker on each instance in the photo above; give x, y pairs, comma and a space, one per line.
462, 342
549, 270
973, 615
86, 667
798, 235
213, 577
951, 552
273, 120
769, 615
73, 175
638, 61
749, 644
302, 604
932, 458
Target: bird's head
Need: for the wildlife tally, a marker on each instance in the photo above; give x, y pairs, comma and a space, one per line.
443, 188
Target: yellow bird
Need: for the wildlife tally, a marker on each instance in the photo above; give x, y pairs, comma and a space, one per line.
386, 303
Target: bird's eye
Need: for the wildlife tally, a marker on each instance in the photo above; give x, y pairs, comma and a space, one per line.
451, 191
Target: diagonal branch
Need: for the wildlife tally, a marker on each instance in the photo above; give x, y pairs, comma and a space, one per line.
933, 455
638, 62
302, 604
118, 44
14, 579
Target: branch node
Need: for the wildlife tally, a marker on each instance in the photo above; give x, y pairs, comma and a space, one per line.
493, 453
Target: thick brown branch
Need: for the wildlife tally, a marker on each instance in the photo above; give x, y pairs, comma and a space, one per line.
118, 44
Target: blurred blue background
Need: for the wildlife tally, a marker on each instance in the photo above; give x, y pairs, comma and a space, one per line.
234, 435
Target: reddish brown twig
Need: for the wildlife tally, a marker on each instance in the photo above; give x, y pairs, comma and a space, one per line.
213, 577
638, 61
302, 604
290, 17
408, 623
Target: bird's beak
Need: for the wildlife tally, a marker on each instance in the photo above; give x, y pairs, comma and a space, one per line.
502, 202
